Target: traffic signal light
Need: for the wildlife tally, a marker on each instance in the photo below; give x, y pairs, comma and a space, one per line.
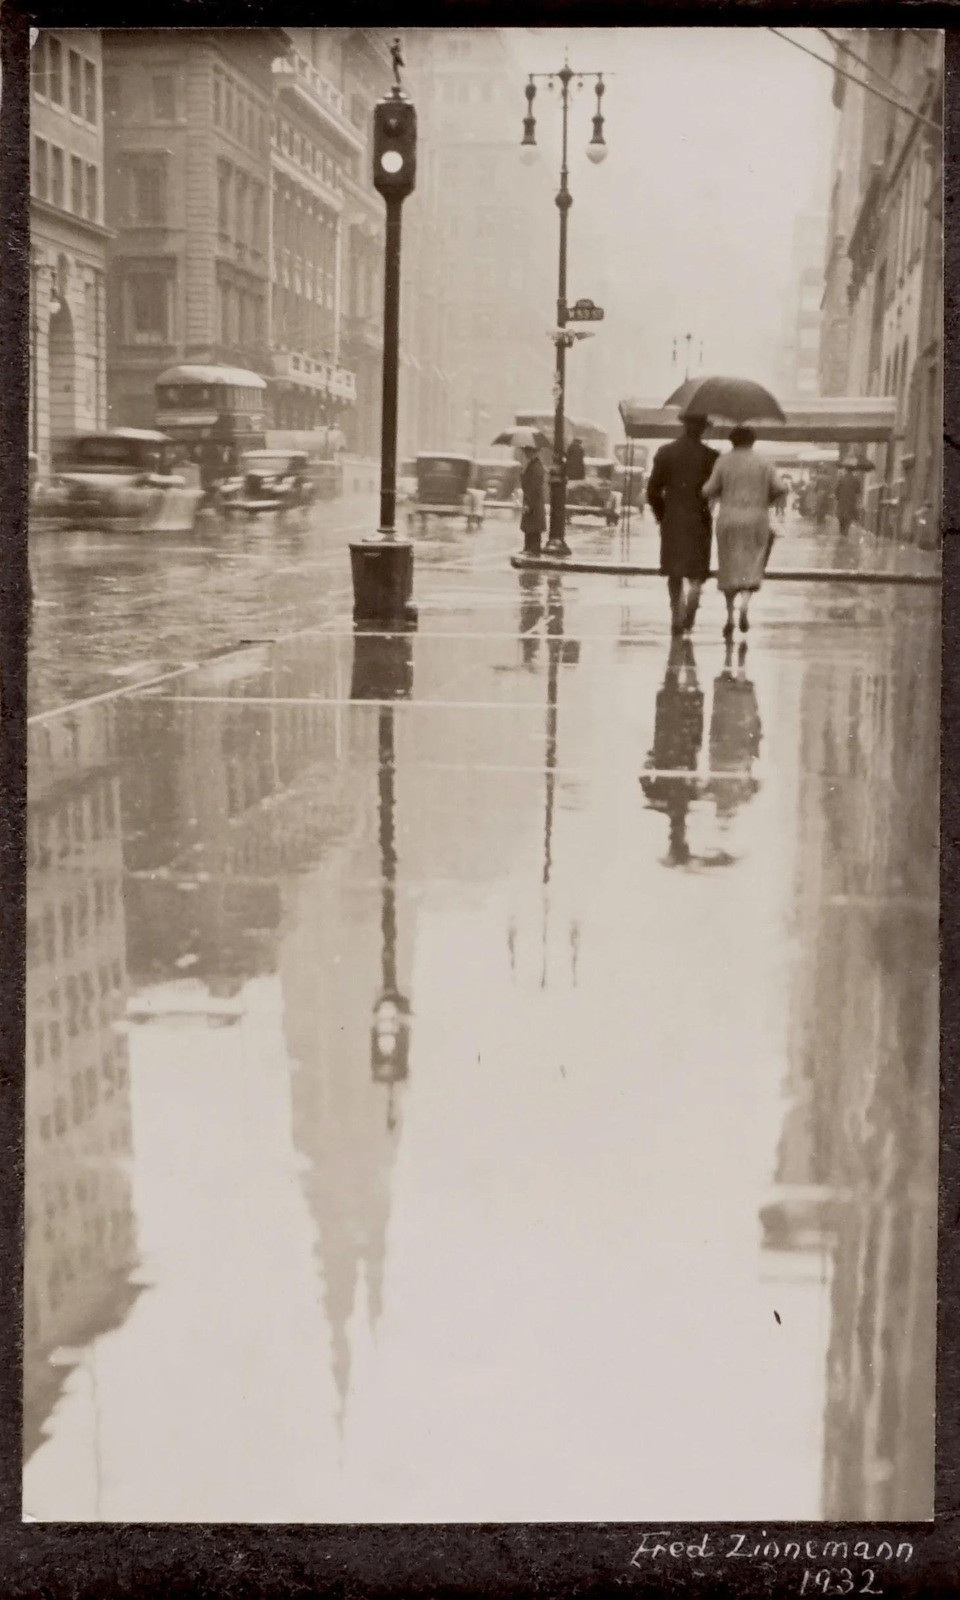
394, 147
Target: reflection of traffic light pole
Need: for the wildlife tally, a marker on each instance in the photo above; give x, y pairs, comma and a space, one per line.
383, 567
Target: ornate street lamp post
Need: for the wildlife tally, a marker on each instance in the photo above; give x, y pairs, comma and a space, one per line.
563, 339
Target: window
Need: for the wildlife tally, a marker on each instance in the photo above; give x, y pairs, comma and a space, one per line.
111, 95
38, 66
41, 169
55, 71
76, 186
93, 199
147, 308
56, 175
90, 92
147, 191
217, 99
164, 99
76, 84
223, 198
229, 107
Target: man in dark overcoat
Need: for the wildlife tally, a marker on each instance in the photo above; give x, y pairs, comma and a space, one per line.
680, 470
533, 518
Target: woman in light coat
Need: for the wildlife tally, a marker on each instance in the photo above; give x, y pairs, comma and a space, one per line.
746, 486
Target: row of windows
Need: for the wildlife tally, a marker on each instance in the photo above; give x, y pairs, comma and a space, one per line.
48, 181
240, 315
86, 1096
77, 918
83, 820
466, 91
237, 114
909, 214
300, 149
64, 77
301, 324
241, 207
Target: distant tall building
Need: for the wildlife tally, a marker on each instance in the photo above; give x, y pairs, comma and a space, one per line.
800, 348
483, 219
67, 238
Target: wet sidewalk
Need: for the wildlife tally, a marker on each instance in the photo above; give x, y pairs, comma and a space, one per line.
474, 1074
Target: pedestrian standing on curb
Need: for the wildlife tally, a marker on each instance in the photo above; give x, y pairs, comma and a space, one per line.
533, 517
746, 486
680, 470
848, 499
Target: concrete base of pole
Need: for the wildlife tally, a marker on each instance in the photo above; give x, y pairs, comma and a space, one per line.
382, 571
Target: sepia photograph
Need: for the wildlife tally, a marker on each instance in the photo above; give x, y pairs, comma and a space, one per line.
482, 964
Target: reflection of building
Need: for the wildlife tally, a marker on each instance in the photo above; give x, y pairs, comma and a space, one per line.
883, 298
79, 1227
188, 161
67, 238
856, 1169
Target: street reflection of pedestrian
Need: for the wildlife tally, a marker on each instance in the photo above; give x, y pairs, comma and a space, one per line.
735, 734
531, 615
677, 737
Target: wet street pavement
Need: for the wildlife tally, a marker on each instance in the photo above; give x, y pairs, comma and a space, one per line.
476, 1074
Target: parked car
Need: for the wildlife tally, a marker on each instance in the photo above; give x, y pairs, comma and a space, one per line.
596, 494
126, 477
270, 480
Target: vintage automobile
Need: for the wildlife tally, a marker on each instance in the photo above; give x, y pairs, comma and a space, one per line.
595, 494
444, 490
500, 483
630, 478
270, 480
407, 480
126, 478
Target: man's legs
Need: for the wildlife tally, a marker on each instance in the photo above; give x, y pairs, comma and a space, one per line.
693, 601
675, 591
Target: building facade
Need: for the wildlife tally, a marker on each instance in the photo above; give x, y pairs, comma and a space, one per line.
188, 155
67, 239
313, 146
882, 305
799, 377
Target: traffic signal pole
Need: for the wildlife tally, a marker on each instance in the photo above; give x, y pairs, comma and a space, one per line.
382, 567
391, 369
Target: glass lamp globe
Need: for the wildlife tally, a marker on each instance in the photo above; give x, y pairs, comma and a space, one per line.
596, 153
528, 154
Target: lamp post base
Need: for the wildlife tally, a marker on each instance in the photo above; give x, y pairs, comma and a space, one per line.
557, 547
382, 571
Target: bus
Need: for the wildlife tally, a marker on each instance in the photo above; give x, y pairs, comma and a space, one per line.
215, 412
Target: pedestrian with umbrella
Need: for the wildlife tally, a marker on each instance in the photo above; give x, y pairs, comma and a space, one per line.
680, 470
848, 497
745, 486
533, 484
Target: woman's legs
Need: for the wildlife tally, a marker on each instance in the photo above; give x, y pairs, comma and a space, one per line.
675, 591
744, 610
730, 595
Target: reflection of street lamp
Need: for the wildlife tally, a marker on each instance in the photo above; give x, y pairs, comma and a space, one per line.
383, 671
596, 151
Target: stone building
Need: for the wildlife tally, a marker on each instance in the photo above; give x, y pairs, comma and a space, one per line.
882, 304
67, 239
188, 160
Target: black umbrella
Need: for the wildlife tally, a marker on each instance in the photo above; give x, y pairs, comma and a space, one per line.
732, 399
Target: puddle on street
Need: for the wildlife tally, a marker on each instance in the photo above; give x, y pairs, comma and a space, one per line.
473, 1074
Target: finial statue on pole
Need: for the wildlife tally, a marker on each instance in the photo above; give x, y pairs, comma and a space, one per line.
396, 56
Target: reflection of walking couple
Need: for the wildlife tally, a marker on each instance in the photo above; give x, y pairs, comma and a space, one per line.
687, 478
670, 782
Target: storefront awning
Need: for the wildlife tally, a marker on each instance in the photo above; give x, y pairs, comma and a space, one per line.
834, 420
